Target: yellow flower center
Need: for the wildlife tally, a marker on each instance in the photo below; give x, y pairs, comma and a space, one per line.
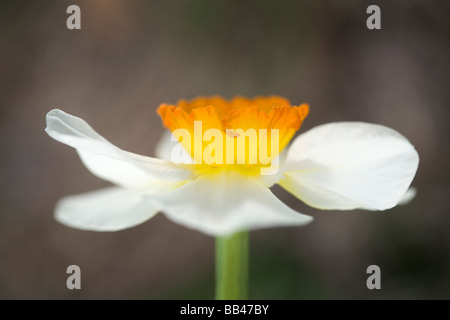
242, 134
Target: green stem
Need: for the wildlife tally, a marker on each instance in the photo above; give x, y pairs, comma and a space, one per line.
232, 267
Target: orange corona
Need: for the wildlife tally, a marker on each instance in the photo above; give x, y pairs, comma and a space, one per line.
243, 134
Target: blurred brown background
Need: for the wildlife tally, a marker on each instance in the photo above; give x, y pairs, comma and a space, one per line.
130, 56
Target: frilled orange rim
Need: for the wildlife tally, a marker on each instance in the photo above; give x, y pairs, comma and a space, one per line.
234, 118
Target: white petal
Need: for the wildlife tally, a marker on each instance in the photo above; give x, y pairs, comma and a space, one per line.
108, 209
168, 148
350, 165
106, 160
409, 195
226, 203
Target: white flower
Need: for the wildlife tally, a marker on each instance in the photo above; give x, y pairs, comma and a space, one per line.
341, 166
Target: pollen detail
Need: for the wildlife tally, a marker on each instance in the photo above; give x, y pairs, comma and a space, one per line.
244, 134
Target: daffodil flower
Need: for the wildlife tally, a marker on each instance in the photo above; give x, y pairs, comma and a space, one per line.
216, 177
336, 166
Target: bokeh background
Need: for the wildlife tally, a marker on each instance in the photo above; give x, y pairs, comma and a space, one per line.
130, 56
